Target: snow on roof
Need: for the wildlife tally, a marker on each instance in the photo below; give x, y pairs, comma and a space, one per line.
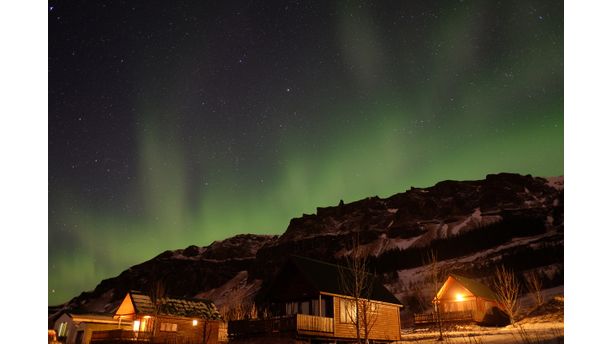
187, 307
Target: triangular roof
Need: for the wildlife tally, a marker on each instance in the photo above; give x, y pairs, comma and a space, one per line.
136, 302
475, 287
325, 277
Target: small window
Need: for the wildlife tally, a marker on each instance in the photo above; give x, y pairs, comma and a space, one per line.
305, 307
291, 308
348, 311
62, 330
373, 308
168, 327
136, 326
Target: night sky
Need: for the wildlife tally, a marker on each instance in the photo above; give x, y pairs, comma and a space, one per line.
177, 123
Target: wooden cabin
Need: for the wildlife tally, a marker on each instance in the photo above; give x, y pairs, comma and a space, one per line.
77, 327
465, 299
306, 304
173, 320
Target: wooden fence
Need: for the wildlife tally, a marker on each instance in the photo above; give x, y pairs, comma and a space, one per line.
114, 336
427, 318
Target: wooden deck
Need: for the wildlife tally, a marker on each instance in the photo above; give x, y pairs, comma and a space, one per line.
428, 318
298, 323
120, 336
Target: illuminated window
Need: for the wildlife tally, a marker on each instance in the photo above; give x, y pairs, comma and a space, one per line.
194, 322
168, 327
62, 330
143, 323
372, 308
136, 325
348, 311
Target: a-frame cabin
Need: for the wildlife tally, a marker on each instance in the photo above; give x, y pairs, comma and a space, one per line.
175, 320
462, 297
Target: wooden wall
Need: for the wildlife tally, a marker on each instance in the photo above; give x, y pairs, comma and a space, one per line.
88, 329
386, 324
186, 331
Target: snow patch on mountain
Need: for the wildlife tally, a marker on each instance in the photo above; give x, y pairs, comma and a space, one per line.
555, 182
237, 289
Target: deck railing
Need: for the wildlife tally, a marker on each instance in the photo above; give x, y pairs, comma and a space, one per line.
120, 335
426, 318
292, 323
314, 323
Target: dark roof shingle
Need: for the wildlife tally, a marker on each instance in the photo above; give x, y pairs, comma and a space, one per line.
325, 277
477, 288
186, 307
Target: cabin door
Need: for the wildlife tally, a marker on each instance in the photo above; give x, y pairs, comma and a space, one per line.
79, 338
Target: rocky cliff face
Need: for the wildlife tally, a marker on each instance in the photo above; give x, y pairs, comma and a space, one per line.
185, 272
505, 219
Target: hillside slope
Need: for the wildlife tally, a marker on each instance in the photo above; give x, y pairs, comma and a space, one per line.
507, 219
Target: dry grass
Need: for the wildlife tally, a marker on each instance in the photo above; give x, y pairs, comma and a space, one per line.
507, 287
238, 311
534, 285
552, 335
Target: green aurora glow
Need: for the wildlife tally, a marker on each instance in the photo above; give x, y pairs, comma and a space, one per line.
375, 129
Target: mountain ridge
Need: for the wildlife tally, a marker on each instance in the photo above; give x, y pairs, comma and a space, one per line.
502, 217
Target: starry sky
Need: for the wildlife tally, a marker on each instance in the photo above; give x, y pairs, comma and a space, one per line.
183, 122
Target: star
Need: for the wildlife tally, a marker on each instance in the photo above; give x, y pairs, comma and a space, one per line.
188, 126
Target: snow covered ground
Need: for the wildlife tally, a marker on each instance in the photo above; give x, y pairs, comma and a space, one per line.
542, 325
237, 290
535, 333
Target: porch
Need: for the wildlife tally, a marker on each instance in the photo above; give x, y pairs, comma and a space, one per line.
301, 324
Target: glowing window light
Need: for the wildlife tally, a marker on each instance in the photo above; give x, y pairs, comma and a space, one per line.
136, 325
460, 297
194, 322
62, 329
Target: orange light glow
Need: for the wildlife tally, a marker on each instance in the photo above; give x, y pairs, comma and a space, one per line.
136, 325
460, 297
195, 322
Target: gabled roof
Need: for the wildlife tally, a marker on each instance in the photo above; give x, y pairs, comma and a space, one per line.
185, 307
325, 277
142, 303
475, 287
189, 308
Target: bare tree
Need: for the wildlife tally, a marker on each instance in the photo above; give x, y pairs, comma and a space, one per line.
507, 288
435, 276
240, 310
358, 283
534, 285
157, 292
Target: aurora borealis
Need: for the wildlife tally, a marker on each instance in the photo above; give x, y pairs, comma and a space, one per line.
181, 123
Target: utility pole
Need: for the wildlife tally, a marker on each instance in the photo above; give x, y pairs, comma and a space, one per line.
438, 317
